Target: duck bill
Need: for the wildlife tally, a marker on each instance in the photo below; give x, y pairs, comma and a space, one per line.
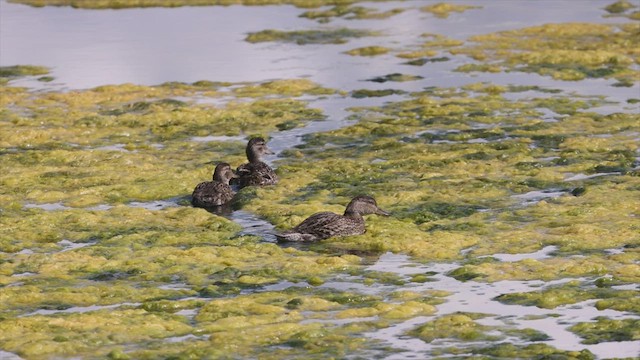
268, 151
382, 212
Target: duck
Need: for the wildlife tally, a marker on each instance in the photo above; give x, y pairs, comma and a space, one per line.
326, 224
214, 193
256, 172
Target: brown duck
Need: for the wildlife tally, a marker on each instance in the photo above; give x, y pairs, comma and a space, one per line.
256, 172
217, 192
326, 224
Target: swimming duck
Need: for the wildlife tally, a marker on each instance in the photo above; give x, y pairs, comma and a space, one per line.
256, 172
217, 192
327, 224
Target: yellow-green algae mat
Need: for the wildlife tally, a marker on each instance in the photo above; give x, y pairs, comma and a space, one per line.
97, 277
467, 173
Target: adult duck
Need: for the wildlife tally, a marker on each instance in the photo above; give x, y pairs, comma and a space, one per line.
326, 224
209, 194
256, 172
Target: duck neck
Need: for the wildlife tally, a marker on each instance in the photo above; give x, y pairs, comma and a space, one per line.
353, 214
252, 156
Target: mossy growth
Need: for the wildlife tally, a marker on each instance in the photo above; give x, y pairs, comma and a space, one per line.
456, 326
443, 10
395, 77
22, 70
349, 12
364, 93
368, 51
565, 51
572, 293
619, 6
606, 330
123, 4
532, 351
305, 37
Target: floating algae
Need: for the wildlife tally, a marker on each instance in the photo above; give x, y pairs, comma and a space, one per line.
443, 10
121, 4
305, 37
565, 51
454, 165
349, 12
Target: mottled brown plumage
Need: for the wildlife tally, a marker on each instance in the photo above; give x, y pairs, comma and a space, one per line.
256, 172
217, 192
326, 224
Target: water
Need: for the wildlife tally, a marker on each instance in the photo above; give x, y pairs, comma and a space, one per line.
187, 44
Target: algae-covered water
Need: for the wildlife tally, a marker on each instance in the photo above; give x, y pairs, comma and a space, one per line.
503, 136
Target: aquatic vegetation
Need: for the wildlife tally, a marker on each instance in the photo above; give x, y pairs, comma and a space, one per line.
397, 77
443, 10
434, 44
459, 326
349, 12
305, 37
22, 70
506, 350
368, 51
362, 93
572, 293
568, 51
122, 4
619, 7
604, 329
98, 234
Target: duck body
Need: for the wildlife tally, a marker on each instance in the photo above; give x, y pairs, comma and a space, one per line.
256, 172
326, 224
214, 193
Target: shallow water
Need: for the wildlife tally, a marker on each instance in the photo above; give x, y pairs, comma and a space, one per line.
476, 297
153, 46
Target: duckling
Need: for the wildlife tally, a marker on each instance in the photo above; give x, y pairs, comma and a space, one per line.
217, 192
326, 224
256, 172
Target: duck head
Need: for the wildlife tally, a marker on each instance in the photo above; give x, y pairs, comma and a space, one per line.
256, 148
223, 173
364, 205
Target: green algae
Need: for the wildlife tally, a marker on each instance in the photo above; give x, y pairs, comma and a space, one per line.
123, 4
364, 93
22, 70
604, 330
619, 7
374, 50
396, 77
457, 326
305, 37
532, 351
349, 12
566, 51
453, 187
572, 293
95, 333
443, 10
